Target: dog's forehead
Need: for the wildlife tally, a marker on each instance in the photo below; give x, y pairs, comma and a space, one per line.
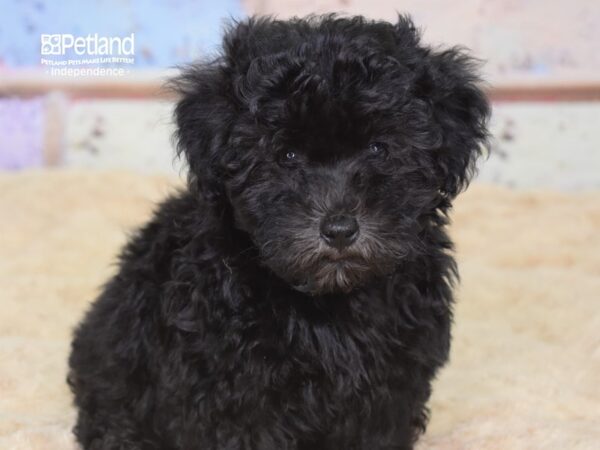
327, 128
316, 109
344, 79
334, 97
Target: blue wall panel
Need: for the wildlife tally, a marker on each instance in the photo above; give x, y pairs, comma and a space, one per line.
167, 32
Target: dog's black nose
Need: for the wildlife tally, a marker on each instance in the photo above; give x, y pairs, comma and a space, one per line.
339, 231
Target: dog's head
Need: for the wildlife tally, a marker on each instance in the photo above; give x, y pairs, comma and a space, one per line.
335, 142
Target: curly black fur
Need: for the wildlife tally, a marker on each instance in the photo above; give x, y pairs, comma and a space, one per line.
232, 324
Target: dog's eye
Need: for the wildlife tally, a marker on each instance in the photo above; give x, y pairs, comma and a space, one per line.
377, 148
288, 158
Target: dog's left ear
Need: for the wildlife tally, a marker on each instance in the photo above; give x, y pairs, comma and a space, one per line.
460, 111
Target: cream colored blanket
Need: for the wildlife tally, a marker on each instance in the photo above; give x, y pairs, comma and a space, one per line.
525, 366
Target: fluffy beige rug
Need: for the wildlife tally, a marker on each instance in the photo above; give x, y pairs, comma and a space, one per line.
525, 368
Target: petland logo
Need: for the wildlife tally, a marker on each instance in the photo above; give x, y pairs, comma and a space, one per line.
66, 55
91, 45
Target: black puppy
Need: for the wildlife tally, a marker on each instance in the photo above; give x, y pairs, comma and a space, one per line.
297, 294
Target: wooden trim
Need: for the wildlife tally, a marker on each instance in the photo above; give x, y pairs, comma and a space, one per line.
145, 84
557, 90
150, 84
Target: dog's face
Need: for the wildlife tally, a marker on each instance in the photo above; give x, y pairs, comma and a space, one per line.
334, 142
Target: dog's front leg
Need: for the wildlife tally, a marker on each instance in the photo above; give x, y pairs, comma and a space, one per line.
396, 421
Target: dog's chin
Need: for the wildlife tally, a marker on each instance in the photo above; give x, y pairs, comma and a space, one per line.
329, 277
317, 269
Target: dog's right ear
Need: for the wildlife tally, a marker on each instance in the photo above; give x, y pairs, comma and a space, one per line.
246, 40
207, 102
203, 116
